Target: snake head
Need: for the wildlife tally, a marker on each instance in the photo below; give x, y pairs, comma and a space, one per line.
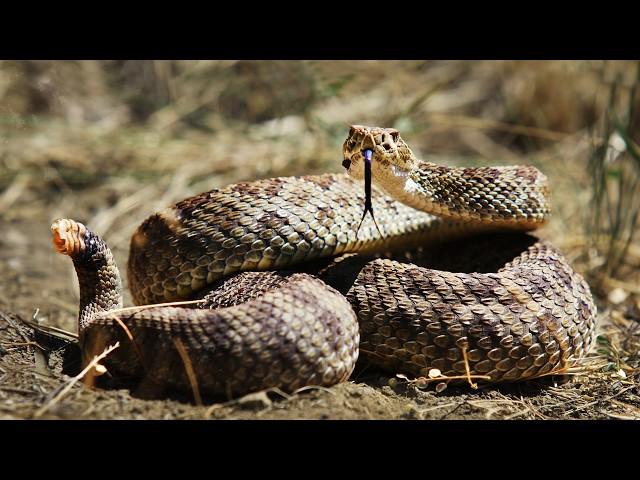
391, 155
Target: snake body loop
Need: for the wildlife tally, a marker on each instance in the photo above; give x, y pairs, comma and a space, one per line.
262, 325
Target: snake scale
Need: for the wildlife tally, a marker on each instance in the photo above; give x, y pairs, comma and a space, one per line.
263, 321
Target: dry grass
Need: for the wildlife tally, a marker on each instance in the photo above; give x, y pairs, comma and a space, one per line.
614, 166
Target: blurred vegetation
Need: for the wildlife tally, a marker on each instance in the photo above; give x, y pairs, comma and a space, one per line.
614, 165
140, 133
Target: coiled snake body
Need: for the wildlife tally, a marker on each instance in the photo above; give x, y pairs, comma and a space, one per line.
262, 325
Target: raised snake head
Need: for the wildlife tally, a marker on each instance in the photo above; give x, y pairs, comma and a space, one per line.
391, 157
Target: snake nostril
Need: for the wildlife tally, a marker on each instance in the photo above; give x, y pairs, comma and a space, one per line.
346, 164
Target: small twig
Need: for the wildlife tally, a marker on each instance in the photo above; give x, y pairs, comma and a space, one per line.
49, 329
314, 387
609, 398
438, 407
93, 363
133, 341
16, 390
467, 369
167, 304
236, 401
620, 417
277, 391
22, 344
11, 322
528, 409
422, 380
635, 410
452, 411
188, 366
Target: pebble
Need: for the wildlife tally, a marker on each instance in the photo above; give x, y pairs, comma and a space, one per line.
255, 401
617, 295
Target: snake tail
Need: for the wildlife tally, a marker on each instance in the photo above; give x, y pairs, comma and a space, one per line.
229, 346
98, 276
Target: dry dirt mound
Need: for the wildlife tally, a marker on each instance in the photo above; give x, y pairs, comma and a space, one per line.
33, 385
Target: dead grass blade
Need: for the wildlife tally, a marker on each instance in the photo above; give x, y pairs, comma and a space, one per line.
614, 166
92, 364
188, 367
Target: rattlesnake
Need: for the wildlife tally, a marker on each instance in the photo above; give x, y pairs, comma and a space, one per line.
261, 324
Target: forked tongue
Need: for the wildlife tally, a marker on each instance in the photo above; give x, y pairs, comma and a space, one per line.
368, 156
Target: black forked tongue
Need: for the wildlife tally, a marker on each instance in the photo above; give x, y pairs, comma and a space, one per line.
368, 154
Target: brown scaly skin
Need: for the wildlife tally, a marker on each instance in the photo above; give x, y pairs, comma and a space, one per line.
98, 277
534, 316
515, 197
256, 343
270, 224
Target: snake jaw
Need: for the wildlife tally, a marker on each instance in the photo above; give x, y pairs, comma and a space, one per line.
68, 236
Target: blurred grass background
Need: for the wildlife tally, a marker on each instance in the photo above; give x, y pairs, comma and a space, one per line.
110, 142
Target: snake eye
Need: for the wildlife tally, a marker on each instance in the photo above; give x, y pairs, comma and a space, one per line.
346, 164
395, 134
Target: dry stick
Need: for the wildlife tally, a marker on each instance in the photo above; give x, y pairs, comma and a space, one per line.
314, 387
609, 398
60, 330
231, 403
22, 344
153, 305
16, 390
620, 417
442, 378
437, 407
467, 369
93, 363
188, 366
12, 323
49, 328
528, 409
136, 347
627, 406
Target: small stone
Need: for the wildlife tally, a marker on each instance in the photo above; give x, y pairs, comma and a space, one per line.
617, 295
255, 401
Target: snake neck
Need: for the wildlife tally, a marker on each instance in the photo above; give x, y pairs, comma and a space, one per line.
514, 197
510, 197
98, 275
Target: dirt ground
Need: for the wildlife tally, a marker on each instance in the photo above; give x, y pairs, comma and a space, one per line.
109, 143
